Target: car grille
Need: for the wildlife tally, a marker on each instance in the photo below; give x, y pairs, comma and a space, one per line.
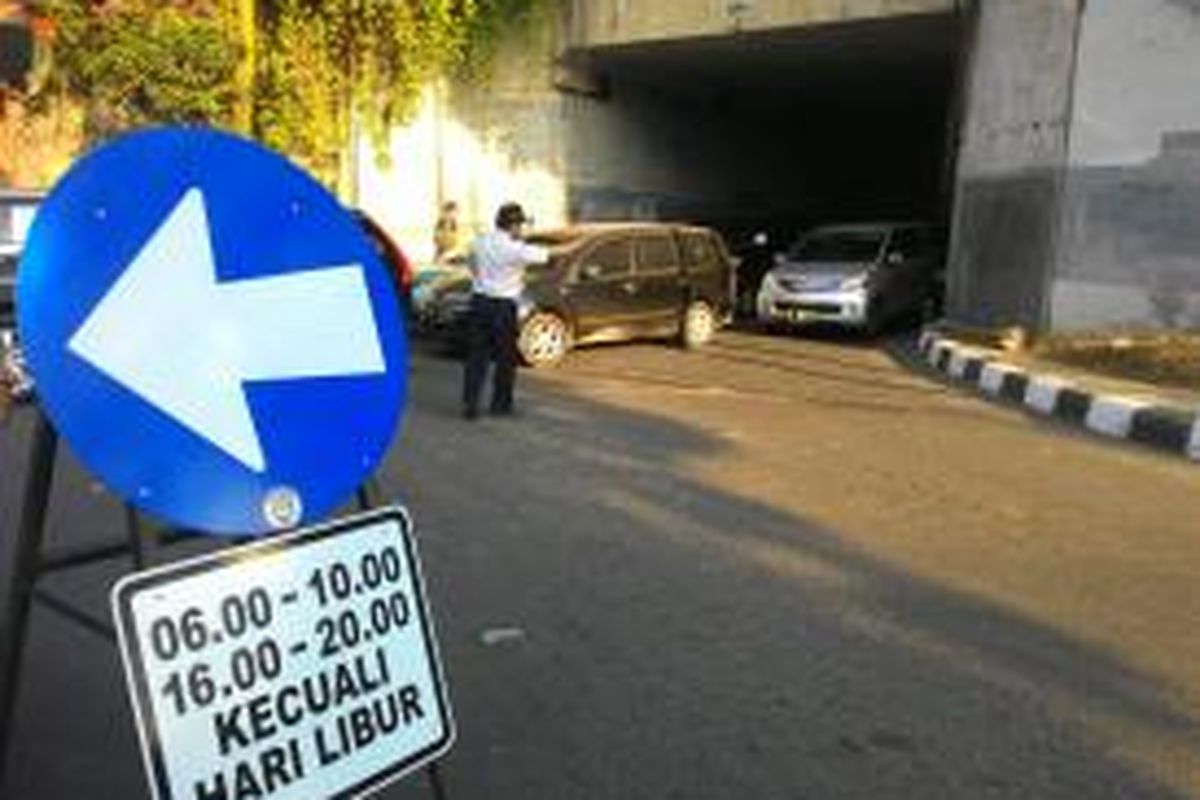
810, 284
813, 308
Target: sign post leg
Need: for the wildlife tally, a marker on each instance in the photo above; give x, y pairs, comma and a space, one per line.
19, 597
133, 529
436, 787
368, 494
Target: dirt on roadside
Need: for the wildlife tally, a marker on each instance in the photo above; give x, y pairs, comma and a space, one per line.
1165, 359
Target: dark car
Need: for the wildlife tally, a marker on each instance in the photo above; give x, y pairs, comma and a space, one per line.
611, 282
754, 250
17, 209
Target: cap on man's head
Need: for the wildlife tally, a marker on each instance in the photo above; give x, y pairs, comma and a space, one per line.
509, 215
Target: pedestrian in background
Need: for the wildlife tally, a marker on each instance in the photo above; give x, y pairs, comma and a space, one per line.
497, 261
445, 232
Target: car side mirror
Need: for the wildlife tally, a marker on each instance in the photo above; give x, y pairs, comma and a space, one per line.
591, 272
895, 258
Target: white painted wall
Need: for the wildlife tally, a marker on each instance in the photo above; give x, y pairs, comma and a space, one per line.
440, 156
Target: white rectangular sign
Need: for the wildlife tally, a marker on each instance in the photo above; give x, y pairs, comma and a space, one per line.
299, 668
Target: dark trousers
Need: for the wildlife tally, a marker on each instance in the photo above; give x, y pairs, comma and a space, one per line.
491, 336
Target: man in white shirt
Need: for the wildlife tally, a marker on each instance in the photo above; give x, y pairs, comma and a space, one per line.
497, 261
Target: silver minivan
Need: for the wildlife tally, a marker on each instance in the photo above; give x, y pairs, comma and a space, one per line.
860, 276
17, 209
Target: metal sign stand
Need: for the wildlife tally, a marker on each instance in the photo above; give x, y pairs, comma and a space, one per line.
32, 564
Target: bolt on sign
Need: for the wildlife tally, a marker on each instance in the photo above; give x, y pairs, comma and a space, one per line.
303, 667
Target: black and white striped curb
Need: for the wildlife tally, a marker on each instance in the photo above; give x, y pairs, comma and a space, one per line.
1144, 420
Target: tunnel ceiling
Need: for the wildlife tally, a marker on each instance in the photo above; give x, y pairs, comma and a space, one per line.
875, 61
823, 123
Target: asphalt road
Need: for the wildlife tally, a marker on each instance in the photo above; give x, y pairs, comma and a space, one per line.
774, 568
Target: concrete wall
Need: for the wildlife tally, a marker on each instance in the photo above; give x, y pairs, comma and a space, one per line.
608, 22
1014, 146
828, 129
1131, 244
478, 146
651, 153
626, 151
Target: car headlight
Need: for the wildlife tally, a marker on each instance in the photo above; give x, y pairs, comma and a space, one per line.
856, 283
769, 284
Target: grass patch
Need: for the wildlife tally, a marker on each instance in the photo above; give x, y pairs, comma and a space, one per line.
1164, 359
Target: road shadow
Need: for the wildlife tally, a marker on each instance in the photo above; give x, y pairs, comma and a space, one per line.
755, 352
672, 639
687, 642
797, 364
896, 391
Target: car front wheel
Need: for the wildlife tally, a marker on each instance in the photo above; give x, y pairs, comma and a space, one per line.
699, 324
544, 339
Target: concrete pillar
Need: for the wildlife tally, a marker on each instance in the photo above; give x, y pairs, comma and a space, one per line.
1011, 163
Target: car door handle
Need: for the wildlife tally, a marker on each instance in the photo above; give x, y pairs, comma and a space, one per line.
630, 287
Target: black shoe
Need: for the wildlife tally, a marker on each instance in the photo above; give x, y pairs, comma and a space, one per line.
470, 413
503, 411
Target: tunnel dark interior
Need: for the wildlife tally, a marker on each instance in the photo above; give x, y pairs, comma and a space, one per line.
836, 122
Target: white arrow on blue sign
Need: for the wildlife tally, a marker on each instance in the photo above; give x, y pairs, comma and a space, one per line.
211, 332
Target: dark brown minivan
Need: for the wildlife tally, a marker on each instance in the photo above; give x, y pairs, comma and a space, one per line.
621, 281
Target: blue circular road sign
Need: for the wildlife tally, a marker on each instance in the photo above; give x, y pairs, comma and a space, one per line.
211, 332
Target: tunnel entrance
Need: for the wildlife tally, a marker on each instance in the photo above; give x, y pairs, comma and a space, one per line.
790, 128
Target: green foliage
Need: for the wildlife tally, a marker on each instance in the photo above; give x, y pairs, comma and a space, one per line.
141, 64
298, 104
497, 21
317, 66
328, 61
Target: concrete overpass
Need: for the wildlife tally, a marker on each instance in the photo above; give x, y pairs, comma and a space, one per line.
771, 112
1071, 186
607, 23
821, 110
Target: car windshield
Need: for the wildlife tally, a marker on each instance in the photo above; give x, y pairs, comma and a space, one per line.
838, 246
